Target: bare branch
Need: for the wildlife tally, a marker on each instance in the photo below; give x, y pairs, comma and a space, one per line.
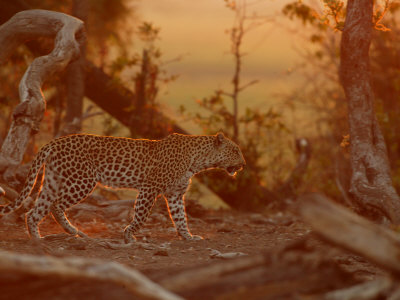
248, 84
69, 35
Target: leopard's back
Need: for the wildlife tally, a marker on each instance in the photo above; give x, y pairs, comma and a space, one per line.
111, 161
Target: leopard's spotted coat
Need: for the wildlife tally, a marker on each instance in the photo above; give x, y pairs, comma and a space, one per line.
75, 164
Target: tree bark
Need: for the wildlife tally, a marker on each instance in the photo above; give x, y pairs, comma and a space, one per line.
120, 102
76, 75
69, 35
371, 184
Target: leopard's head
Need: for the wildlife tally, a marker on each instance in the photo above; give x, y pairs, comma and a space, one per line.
227, 155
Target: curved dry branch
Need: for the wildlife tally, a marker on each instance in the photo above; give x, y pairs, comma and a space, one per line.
69, 34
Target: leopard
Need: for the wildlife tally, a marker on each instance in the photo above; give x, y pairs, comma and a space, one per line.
73, 165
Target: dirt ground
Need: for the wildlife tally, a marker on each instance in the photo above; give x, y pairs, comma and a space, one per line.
225, 232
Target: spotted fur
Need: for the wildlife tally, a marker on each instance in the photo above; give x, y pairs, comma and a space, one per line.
73, 166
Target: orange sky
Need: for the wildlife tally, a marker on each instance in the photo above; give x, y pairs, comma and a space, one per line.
196, 29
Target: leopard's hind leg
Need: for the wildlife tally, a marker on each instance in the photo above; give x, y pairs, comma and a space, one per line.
61, 205
43, 203
73, 190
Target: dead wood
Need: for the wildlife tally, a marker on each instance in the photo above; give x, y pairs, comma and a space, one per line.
343, 228
298, 269
121, 103
206, 275
68, 33
350, 231
280, 273
373, 289
83, 269
75, 75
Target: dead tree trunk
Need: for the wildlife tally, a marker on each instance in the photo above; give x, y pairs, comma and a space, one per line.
371, 184
69, 35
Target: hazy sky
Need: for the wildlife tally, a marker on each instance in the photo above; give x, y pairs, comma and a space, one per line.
197, 30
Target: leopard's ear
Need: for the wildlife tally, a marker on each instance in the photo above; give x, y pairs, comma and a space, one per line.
219, 138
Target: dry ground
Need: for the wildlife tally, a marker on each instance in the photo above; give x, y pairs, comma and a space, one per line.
162, 253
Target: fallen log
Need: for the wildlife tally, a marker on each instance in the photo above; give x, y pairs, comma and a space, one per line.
284, 273
341, 227
374, 289
77, 268
204, 276
300, 268
120, 102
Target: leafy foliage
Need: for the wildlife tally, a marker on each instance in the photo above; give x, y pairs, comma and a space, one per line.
146, 76
260, 134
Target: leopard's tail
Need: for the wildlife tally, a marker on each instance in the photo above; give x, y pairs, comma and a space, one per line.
30, 182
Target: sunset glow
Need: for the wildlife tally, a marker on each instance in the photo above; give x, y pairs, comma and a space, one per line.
196, 30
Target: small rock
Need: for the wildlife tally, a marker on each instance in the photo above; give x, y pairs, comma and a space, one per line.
78, 246
217, 254
165, 245
161, 252
146, 246
225, 229
260, 219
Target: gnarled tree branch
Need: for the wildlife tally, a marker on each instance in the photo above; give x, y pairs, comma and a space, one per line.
69, 34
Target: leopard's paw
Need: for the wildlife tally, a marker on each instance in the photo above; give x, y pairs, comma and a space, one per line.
129, 238
190, 237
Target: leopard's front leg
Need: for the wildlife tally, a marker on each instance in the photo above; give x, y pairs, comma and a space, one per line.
144, 202
176, 206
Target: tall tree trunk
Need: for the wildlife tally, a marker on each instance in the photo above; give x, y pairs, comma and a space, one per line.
76, 77
371, 184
